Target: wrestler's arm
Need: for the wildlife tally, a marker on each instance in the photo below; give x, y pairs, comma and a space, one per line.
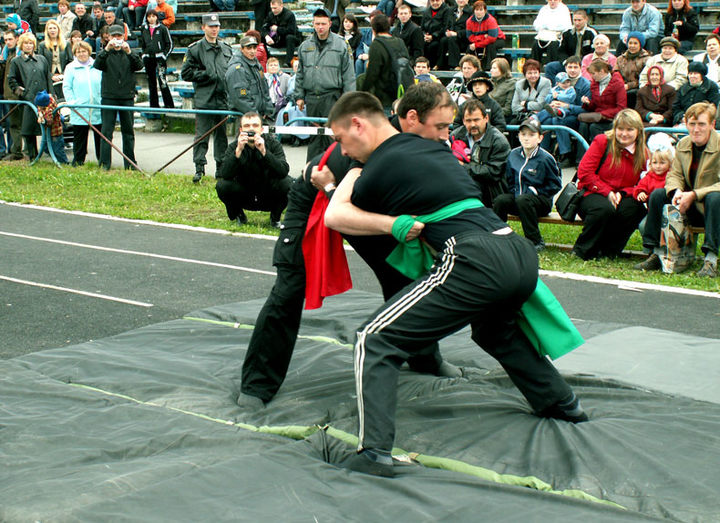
346, 218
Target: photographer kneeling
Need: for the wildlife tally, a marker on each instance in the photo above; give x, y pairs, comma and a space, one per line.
254, 173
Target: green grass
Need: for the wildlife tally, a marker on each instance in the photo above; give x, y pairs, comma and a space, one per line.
169, 198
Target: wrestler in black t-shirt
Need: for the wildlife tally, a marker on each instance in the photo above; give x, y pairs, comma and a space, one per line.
430, 179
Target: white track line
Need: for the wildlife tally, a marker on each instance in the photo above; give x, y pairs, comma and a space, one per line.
178, 226
630, 285
75, 291
137, 253
623, 284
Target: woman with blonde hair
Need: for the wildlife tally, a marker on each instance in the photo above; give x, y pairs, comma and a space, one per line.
57, 52
608, 173
29, 74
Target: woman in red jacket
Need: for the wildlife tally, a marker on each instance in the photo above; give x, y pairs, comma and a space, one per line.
608, 173
484, 34
607, 98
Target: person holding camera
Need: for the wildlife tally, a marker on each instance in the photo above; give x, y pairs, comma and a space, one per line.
254, 173
118, 64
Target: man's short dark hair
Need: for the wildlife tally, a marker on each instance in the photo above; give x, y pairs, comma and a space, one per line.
581, 12
473, 105
250, 114
424, 97
380, 23
573, 60
355, 103
599, 65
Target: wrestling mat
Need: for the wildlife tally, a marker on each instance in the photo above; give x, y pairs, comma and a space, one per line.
143, 426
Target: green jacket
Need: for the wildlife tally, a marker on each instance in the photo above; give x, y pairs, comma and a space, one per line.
205, 65
247, 86
324, 70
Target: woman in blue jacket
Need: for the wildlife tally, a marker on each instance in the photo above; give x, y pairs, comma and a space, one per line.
81, 85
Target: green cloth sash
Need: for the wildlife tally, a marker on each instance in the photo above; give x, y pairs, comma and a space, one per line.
414, 258
542, 317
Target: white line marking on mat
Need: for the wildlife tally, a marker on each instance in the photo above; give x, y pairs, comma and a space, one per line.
76, 291
137, 253
630, 285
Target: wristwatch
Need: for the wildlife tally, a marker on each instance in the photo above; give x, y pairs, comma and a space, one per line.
329, 187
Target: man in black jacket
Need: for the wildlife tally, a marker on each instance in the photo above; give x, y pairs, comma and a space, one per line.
436, 20
118, 64
409, 32
455, 41
488, 151
205, 64
280, 30
254, 173
83, 21
29, 11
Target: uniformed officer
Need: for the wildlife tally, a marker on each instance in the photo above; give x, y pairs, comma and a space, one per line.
247, 87
325, 72
205, 64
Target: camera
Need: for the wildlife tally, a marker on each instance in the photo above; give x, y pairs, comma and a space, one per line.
251, 136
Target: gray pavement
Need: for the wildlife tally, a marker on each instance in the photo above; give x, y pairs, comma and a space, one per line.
67, 278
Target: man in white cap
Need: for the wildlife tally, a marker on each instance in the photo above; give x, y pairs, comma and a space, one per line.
205, 64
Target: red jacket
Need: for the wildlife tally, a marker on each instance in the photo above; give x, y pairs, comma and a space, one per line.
611, 101
649, 183
483, 32
606, 178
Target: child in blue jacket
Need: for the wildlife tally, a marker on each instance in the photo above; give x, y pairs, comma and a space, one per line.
533, 177
562, 92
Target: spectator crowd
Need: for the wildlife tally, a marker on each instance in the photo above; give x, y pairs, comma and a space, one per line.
575, 77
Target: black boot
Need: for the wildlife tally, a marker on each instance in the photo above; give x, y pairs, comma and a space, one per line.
199, 173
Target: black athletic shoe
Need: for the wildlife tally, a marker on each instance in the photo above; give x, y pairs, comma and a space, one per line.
198, 176
241, 218
370, 462
567, 410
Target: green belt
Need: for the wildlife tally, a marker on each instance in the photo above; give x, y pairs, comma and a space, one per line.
542, 317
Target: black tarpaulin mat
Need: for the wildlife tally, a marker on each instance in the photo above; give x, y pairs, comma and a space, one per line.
143, 426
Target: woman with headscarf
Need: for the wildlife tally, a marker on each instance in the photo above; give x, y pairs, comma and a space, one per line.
699, 88
29, 74
81, 85
57, 53
682, 23
608, 172
631, 63
655, 100
601, 44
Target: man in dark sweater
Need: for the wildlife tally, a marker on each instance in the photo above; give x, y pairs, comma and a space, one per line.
118, 64
483, 273
380, 76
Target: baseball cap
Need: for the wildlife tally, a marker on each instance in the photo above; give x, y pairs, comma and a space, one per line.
248, 40
211, 19
561, 77
533, 124
116, 30
321, 11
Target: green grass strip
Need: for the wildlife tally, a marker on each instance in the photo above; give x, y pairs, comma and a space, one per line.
322, 339
300, 432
